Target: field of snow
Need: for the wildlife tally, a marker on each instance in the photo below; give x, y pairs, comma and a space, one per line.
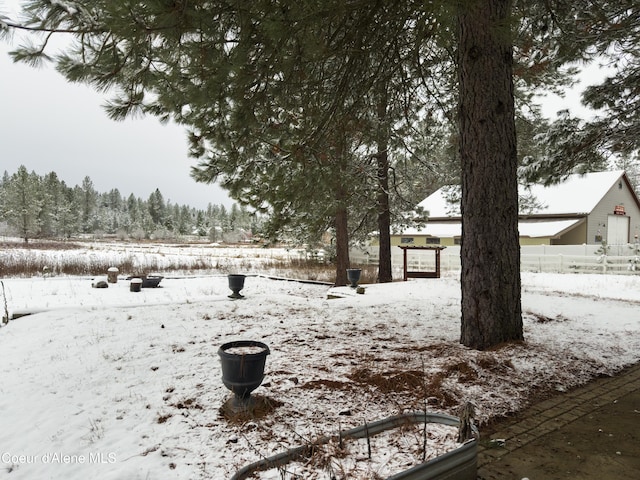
114, 384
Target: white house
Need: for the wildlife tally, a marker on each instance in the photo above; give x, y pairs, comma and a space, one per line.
584, 209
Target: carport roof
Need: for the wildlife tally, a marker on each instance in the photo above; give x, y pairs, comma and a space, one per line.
527, 228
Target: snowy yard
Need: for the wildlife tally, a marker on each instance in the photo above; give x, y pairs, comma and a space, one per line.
112, 384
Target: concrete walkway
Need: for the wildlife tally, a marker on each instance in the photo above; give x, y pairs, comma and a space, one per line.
590, 433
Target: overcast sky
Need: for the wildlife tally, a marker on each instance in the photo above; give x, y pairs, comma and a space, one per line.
47, 124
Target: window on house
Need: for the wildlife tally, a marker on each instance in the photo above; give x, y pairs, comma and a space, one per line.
433, 240
457, 240
406, 240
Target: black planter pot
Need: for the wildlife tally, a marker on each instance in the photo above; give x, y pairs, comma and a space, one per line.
236, 283
353, 275
147, 281
243, 364
151, 281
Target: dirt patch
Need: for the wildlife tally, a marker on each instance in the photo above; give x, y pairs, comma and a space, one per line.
328, 384
539, 318
390, 381
187, 404
436, 381
436, 349
259, 407
492, 364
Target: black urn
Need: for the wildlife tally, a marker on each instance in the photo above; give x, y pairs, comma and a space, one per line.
236, 283
243, 364
353, 275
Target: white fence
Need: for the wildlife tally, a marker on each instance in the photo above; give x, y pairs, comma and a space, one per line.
620, 259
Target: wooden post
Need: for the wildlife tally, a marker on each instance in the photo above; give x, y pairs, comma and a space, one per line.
404, 263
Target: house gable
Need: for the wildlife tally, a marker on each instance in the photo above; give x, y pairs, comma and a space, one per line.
619, 202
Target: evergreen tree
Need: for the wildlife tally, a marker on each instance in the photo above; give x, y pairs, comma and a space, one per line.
609, 32
147, 225
114, 206
67, 220
87, 199
584, 33
564, 149
201, 225
65, 211
173, 217
185, 221
223, 218
134, 222
213, 222
234, 217
157, 208
50, 197
21, 206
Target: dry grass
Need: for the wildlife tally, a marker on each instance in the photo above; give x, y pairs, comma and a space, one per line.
40, 245
19, 259
34, 265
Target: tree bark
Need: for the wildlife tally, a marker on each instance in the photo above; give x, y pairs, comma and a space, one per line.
385, 274
490, 253
341, 218
342, 246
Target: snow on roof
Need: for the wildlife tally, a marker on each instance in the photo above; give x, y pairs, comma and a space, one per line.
527, 228
549, 228
578, 194
437, 205
446, 229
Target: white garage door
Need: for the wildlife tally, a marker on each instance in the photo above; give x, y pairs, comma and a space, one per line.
617, 230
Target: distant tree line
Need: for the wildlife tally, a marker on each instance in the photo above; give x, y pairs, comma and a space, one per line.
34, 206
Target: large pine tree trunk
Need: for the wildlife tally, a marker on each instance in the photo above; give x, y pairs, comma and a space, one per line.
490, 253
384, 220
384, 214
342, 222
385, 274
342, 246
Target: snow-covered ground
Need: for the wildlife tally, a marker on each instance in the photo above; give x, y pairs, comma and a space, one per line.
113, 384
